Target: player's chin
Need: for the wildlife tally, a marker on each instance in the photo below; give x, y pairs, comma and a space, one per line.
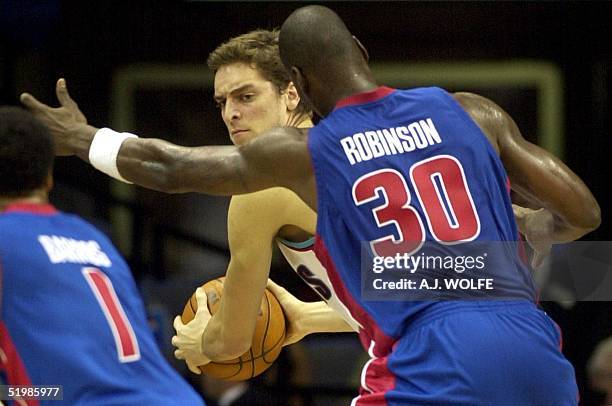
242, 137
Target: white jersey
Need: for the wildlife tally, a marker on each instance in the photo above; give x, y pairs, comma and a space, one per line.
305, 263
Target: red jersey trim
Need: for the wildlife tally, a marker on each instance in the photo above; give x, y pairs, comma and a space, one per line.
365, 97
12, 364
34, 208
371, 330
377, 379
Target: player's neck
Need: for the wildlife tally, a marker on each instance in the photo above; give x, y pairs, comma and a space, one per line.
354, 82
359, 83
300, 121
36, 197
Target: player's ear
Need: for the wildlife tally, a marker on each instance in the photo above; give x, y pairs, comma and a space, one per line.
49, 181
300, 81
363, 50
292, 97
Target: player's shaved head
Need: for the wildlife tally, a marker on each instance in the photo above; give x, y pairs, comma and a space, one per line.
325, 61
315, 38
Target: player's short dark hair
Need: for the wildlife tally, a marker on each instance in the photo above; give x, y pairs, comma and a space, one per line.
259, 49
26, 152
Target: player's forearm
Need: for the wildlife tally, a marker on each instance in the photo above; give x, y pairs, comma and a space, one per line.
146, 162
575, 213
160, 165
218, 345
152, 163
318, 317
563, 232
568, 224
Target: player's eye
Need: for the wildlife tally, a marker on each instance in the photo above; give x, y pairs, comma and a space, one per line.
220, 105
247, 97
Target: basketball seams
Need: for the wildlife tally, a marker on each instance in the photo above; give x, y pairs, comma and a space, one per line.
265, 334
193, 308
252, 363
236, 369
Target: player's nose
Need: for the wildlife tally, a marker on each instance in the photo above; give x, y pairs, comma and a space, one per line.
231, 111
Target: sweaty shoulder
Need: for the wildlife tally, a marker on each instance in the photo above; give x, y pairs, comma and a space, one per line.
494, 122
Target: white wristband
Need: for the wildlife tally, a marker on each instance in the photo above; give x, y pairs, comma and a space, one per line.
104, 149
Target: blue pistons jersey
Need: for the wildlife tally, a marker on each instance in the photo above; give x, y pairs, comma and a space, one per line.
397, 170
71, 315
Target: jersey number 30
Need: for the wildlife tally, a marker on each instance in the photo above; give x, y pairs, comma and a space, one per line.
123, 333
443, 193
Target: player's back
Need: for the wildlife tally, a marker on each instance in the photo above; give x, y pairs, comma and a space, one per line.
397, 169
409, 172
72, 315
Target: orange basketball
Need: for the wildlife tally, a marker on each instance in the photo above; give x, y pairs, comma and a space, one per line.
267, 342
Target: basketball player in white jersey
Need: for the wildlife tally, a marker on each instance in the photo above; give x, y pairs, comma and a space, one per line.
254, 93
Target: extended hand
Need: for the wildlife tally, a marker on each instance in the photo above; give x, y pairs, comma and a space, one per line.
188, 338
292, 308
62, 121
537, 226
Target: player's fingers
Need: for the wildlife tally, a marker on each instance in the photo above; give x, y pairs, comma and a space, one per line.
182, 343
61, 91
31, 103
193, 368
290, 339
519, 212
275, 288
178, 323
179, 342
183, 354
201, 297
538, 259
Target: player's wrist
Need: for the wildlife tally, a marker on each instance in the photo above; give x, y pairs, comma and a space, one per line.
104, 149
305, 321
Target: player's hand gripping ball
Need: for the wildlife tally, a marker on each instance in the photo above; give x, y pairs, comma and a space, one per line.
267, 341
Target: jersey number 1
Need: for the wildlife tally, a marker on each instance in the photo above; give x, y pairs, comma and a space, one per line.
444, 196
123, 333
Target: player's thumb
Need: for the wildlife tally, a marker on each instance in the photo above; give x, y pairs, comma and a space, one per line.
520, 216
61, 90
538, 259
276, 289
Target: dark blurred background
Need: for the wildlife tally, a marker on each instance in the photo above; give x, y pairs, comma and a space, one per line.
176, 242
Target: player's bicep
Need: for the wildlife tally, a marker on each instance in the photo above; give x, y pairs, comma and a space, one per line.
544, 179
252, 227
538, 177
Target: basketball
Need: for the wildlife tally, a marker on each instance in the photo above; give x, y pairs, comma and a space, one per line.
268, 336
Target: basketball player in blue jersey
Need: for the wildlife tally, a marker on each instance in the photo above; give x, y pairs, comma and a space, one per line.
70, 312
368, 169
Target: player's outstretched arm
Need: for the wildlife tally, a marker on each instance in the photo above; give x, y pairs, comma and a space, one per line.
540, 178
278, 158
